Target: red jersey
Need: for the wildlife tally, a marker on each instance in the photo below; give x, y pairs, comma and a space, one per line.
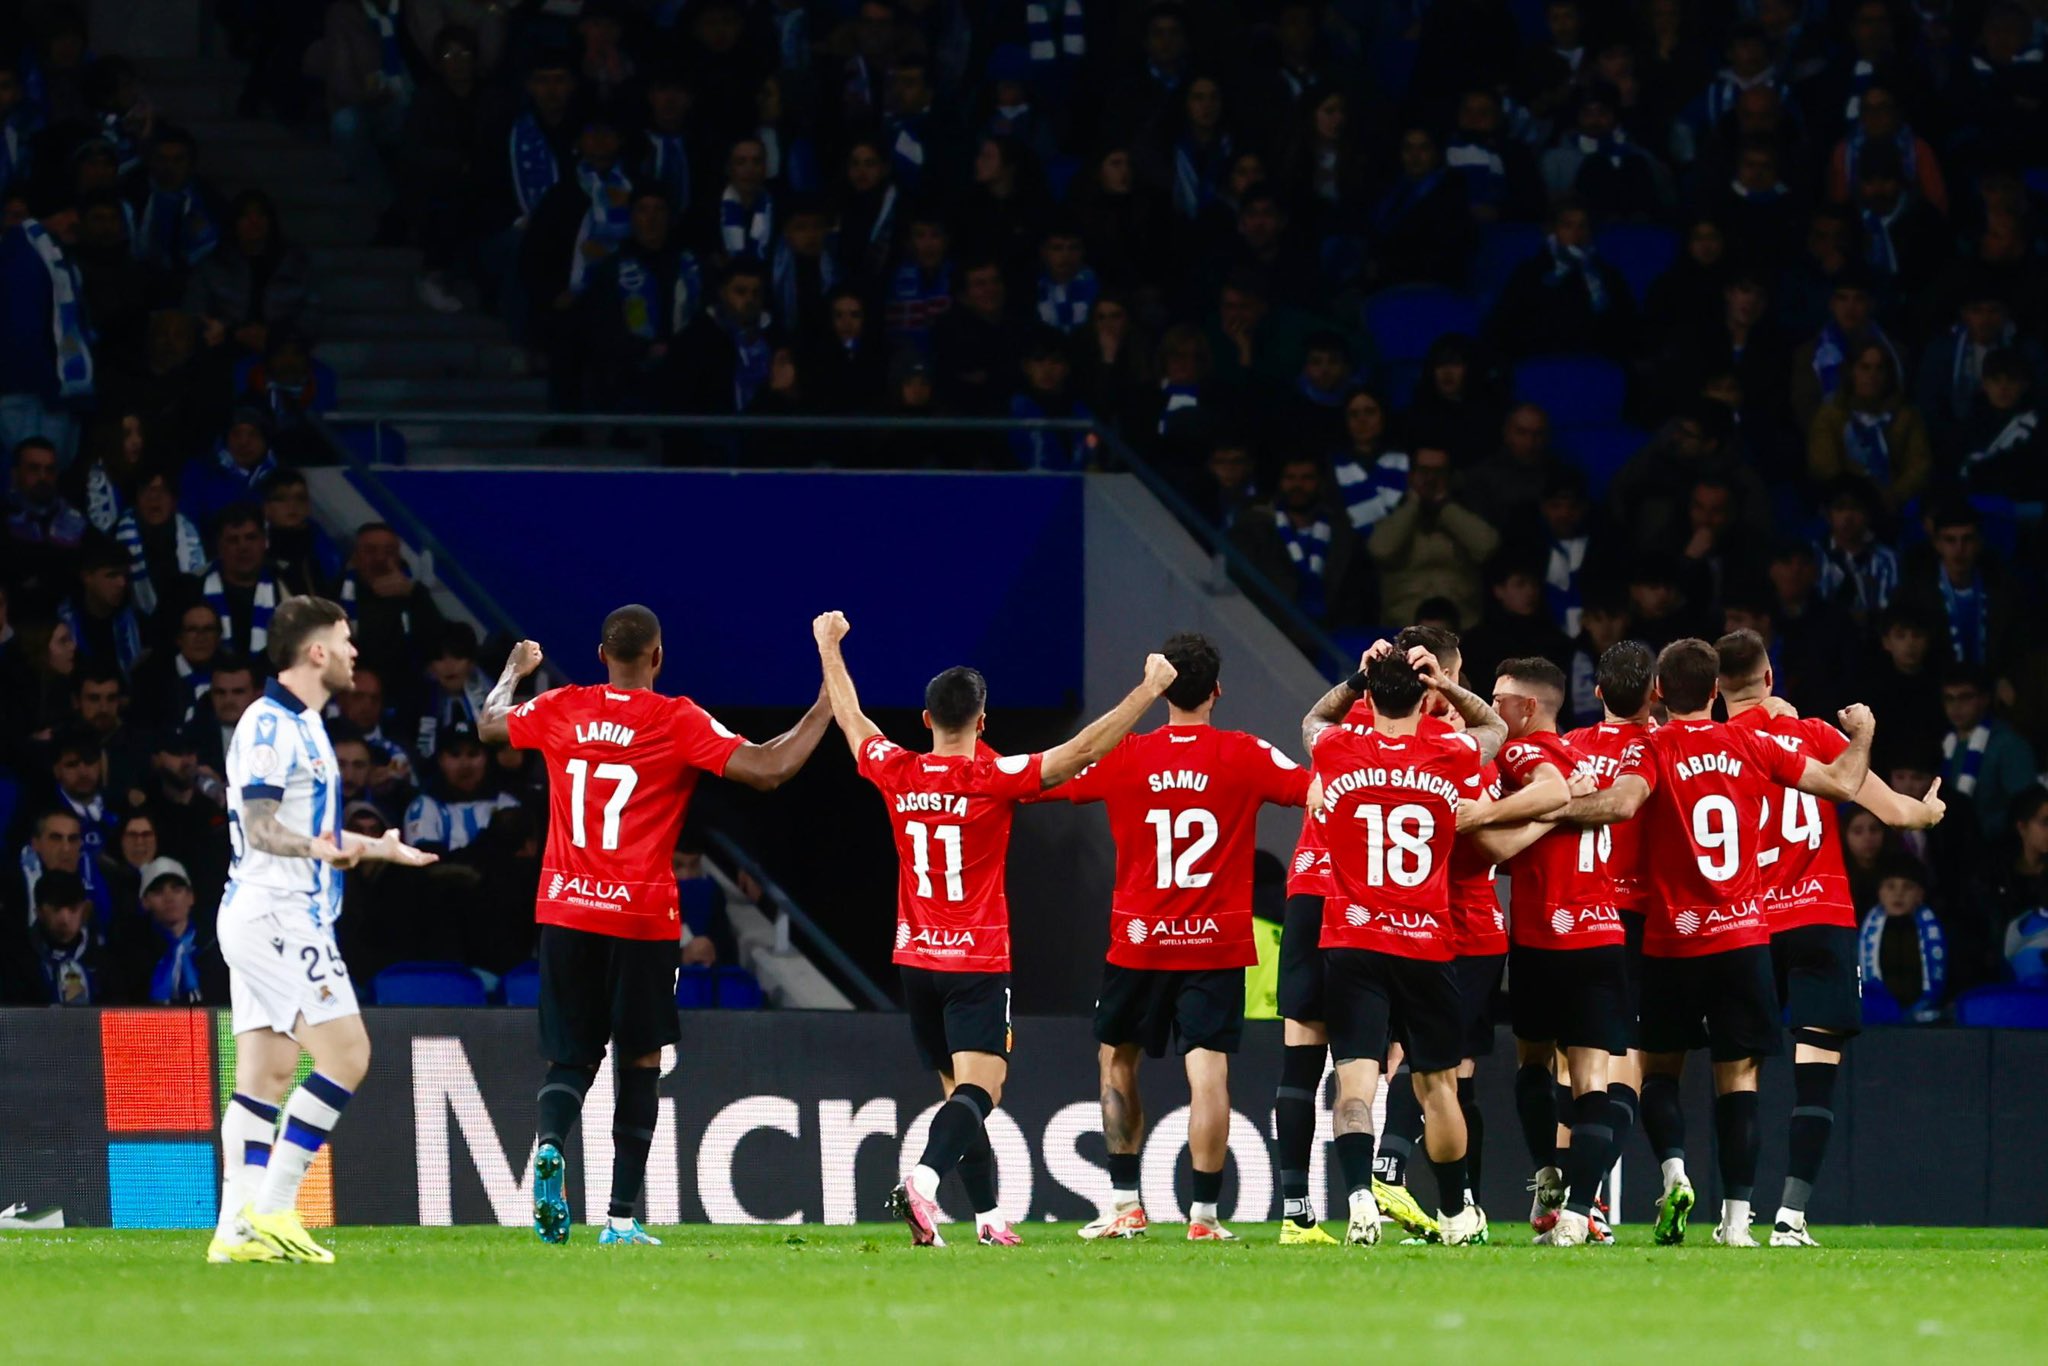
950, 814
1561, 896
1804, 880
1708, 786
621, 767
1478, 925
1183, 806
1309, 874
1599, 749
1390, 807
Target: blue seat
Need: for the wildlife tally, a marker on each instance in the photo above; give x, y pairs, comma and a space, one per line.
1393, 65
1059, 174
1406, 321
1599, 452
2011, 1007
1531, 20
10, 798
1399, 380
427, 984
522, 985
1502, 247
737, 989
1880, 1007
1640, 251
695, 989
1576, 391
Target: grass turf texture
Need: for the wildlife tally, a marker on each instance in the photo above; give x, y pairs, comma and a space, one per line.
862, 1293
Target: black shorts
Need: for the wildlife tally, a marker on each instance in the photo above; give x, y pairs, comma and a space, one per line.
597, 987
1367, 990
1574, 998
1478, 978
1820, 978
1725, 1002
1301, 960
1150, 1007
957, 1012
1633, 923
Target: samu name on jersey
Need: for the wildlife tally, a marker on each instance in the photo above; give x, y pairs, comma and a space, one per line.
280, 753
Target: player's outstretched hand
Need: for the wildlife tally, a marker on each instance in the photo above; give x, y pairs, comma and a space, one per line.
392, 848
1856, 719
525, 657
1159, 674
332, 852
1936, 807
1379, 649
829, 628
1424, 663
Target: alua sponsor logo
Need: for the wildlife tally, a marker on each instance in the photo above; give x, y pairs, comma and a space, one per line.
1721, 917
937, 941
589, 888
1564, 921
1187, 927
1799, 891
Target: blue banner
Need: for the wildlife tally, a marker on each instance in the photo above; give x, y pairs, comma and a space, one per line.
933, 570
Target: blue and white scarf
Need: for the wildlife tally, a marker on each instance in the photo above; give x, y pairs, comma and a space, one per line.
668, 165
907, 147
1615, 149
1039, 449
71, 332
1966, 366
1309, 548
262, 606
175, 979
88, 873
607, 222
535, 168
390, 54
1969, 628
176, 230
1580, 262
1861, 76
1933, 958
1562, 588
189, 555
744, 232
784, 278
251, 481
14, 152
1403, 198
127, 634
1904, 140
1831, 348
102, 499
1067, 306
448, 708
1972, 765
1863, 582
2016, 433
1175, 398
1370, 492
1866, 437
792, 38
198, 682
1048, 46
1198, 174
1484, 172
750, 361
1879, 252
646, 314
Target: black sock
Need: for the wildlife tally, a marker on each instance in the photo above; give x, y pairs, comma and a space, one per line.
1403, 1128
1536, 1107
1294, 1115
978, 1172
1622, 1099
1354, 1155
561, 1101
1813, 1120
1475, 1128
1592, 1141
1663, 1117
633, 1116
954, 1128
1123, 1171
1739, 1138
1450, 1184
1208, 1186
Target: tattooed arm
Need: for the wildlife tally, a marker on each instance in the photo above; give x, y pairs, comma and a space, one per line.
494, 727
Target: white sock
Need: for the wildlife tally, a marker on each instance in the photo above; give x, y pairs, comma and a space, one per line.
619, 1225
925, 1181
1674, 1171
1122, 1199
1792, 1218
247, 1129
1735, 1213
309, 1117
988, 1218
1202, 1212
1362, 1201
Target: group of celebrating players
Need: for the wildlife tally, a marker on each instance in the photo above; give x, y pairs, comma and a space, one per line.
1676, 884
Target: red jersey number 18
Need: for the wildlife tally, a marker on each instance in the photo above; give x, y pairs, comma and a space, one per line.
1408, 829
626, 779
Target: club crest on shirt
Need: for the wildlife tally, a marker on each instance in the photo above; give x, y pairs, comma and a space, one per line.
262, 760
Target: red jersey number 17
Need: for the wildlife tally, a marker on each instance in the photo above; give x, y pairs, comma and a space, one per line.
624, 779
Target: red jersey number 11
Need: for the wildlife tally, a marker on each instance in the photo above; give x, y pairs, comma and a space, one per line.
947, 837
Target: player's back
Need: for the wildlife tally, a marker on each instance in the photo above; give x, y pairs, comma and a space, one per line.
1390, 807
1561, 896
950, 815
1804, 880
280, 753
1600, 748
1309, 873
1183, 804
1479, 926
622, 764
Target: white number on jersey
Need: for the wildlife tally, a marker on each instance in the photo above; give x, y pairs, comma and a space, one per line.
579, 774
1596, 846
1397, 844
921, 837
1194, 824
1715, 829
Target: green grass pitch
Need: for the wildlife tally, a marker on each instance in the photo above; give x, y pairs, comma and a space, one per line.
863, 1294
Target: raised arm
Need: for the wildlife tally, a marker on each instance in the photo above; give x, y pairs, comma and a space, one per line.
1099, 736
767, 766
829, 628
1896, 809
1618, 803
494, 726
1332, 706
1482, 722
1841, 780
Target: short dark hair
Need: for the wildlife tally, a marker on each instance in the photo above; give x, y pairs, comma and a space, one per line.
40, 826
1537, 672
96, 671
630, 633
1439, 609
956, 697
1743, 656
297, 620
1686, 672
1624, 673
283, 477
238, 514
456, 641
58, 888
2027, 804
1394, 686
75, 742
1197, 662
228, 662
1962, 674
1953, 511
99, 553
1437, 640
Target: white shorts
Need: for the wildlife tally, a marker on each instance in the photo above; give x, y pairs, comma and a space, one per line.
281, 966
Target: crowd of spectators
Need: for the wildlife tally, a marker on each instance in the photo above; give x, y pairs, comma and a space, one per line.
1175, 219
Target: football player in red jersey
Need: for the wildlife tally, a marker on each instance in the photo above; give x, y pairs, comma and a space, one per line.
1300, 992
1391, 798
1566, 965
1183, 804
1813, 919
622, 761
950, 812
1702, 786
